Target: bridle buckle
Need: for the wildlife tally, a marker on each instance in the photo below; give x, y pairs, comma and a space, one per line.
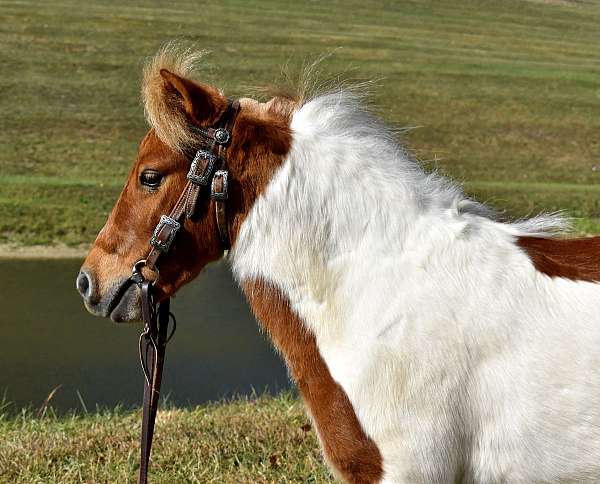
164, 233
219, 185
202, 167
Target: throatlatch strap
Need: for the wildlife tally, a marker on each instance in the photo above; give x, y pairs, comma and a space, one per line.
152, 353
219, 195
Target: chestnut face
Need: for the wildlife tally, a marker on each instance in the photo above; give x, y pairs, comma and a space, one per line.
155, 182
176, 107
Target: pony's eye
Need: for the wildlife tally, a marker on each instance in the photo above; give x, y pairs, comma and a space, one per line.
151, 178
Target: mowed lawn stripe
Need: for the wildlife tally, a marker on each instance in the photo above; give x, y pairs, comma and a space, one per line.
502, 92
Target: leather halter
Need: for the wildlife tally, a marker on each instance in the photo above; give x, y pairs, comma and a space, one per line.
203, 171
208, 168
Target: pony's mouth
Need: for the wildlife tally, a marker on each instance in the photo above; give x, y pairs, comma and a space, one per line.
121, 304
125, 304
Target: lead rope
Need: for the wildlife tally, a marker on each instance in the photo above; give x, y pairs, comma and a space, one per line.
152, 345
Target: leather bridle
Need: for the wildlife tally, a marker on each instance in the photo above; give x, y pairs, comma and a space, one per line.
208, 169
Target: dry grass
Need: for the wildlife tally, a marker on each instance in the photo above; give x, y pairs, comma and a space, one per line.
261, 440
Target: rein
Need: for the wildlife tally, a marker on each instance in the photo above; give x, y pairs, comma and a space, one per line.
207, 167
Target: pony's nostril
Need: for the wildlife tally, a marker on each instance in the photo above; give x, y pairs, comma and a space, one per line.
83, 284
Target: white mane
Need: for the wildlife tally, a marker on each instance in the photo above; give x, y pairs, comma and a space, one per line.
341, 114
347, 179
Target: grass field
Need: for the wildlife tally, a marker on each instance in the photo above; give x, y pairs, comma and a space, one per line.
504, 97
244, 441
506, 94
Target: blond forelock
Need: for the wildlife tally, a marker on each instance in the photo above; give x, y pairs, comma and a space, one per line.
163, 107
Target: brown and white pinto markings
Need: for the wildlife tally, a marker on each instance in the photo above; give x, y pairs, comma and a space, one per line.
261, 139
430, 342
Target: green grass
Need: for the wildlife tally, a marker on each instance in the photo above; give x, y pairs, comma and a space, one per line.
268, 439
506, 94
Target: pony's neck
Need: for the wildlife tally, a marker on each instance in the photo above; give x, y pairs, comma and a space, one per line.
346, 193
348, 209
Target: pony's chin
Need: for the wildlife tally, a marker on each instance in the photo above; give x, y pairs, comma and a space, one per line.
127, 309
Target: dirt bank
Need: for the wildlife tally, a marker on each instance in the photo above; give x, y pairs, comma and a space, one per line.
8, 251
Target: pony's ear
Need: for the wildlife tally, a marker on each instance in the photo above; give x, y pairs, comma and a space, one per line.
204, 104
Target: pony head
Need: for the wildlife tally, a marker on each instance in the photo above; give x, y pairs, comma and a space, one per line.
176, 106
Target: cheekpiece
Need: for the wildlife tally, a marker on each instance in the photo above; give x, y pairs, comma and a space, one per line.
222, 136
156, 240
204, 177
215, 193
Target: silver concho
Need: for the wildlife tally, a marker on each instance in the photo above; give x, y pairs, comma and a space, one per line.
222, 136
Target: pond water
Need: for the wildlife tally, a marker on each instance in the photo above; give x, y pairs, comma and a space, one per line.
48, 339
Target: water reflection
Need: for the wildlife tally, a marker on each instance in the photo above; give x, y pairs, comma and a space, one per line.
48, 339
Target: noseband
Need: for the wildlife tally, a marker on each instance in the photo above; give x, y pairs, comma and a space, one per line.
209, 167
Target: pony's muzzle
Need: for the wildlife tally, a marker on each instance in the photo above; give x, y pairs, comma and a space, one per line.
120, 301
